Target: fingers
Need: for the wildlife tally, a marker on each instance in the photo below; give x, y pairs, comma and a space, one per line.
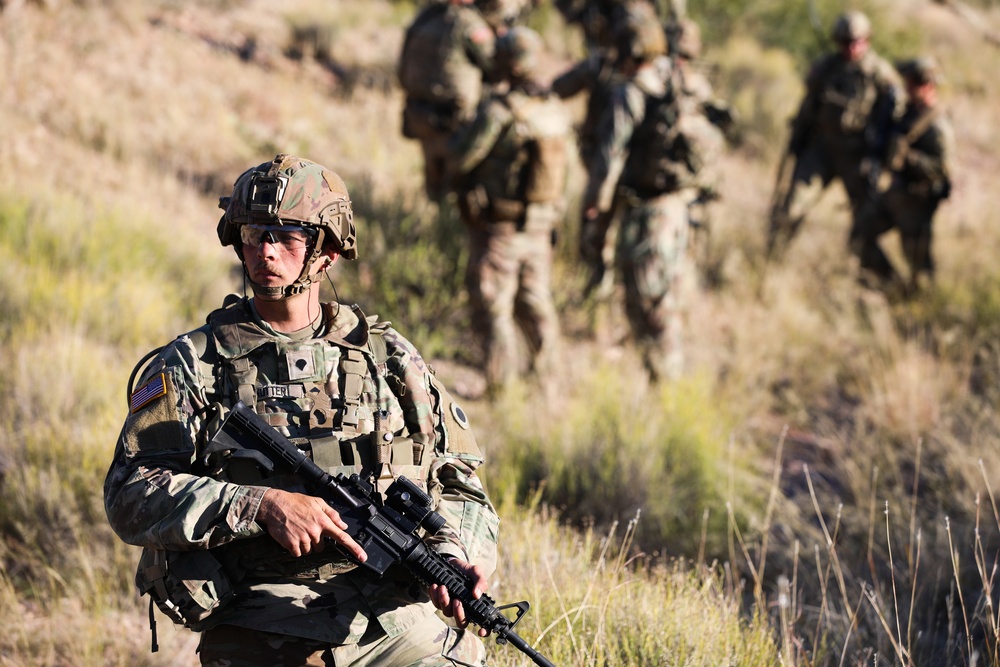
299, 523
453, 608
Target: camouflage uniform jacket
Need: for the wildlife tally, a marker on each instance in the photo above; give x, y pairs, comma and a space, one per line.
623, 115
655, 155
447, 52
327, 391
515, 150
596, 76
922, 164
844, 99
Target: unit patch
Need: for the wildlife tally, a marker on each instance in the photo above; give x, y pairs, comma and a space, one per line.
460, 418
151, 391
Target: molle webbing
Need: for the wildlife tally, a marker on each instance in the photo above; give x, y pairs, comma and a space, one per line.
354, 369
244, 376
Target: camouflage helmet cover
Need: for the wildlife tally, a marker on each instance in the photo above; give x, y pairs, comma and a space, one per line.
686, 40
295, 191
518, 52
851, 26
640, 40
920, 71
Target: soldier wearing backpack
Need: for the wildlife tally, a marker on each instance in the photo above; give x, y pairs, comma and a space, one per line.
510, 175
654, 157
447, 54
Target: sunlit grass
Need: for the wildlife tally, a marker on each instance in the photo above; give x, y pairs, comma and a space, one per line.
865, 533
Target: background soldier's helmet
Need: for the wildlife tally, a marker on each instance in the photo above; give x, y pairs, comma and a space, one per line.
851, 26
920, 70
685, 39
518, 53
640, 41
291, 191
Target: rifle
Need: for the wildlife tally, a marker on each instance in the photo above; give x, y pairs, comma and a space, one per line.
877, 135
387, 531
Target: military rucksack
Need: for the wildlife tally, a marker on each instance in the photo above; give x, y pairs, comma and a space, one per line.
671, 147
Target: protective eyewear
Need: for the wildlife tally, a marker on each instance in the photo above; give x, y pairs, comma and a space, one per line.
287, 236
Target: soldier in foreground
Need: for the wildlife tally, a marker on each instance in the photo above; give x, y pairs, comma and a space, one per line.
840, 132
265, 572
919, 178
654, 155
447, 54
510, 166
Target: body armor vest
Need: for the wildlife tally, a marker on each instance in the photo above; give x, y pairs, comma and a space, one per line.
333, 398
849, 93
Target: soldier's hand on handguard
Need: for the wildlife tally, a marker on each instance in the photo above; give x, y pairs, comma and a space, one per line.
299, 523
453, 608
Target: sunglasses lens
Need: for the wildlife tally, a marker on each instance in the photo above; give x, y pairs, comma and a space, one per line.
288, 237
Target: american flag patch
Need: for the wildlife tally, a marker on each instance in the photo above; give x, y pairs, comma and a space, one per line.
154, 389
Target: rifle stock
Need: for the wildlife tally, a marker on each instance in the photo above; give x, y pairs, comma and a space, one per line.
387, 531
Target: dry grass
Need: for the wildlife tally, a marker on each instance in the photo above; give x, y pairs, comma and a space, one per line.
867, 527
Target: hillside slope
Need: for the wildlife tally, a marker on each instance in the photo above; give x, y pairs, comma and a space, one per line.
810, 406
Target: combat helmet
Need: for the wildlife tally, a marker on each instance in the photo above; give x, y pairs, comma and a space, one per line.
290, 191
685, 39
517, 52
920, 71
641, 41
851, 26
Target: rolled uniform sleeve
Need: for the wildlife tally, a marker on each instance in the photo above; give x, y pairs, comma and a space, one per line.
152, 497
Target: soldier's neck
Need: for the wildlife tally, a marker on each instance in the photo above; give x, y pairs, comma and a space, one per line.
291, 314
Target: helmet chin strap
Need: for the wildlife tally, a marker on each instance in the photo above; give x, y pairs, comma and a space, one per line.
278, 293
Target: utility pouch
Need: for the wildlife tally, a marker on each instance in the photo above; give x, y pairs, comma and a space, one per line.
472, 202
423, 120
506, 210
187, 586
547, 177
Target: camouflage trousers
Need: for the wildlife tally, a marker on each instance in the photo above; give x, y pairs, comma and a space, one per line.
649, 255
508, 278
912, 214
429, 643
818, 165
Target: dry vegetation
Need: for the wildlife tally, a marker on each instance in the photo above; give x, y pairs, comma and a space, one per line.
819, 490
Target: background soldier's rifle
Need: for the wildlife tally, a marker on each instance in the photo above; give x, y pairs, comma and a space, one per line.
782, 187
387, 531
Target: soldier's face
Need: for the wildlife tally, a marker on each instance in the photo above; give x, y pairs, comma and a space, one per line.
924, 94
855, 49
273, 264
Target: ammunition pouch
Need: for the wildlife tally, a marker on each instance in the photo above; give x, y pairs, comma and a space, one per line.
187, 586
506, 210
546, 178
422, 120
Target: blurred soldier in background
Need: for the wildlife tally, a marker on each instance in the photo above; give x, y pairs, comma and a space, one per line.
917, 178
852, 98
510, 175
596, 76
684, 43
447, 53
245, 555
504, 14
652, 156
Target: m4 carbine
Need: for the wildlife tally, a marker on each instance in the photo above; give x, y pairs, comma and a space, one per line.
387, 531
